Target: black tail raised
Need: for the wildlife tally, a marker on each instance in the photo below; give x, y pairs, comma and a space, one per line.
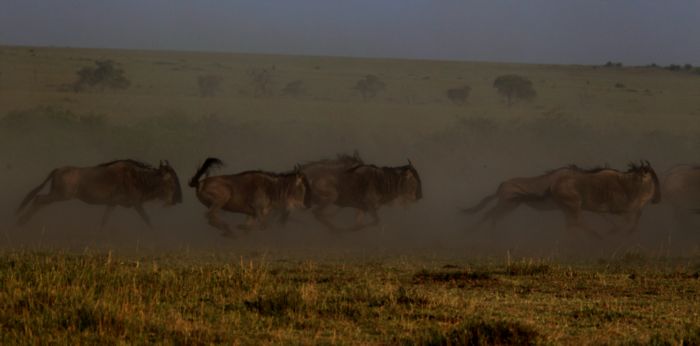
209, 163
33, 193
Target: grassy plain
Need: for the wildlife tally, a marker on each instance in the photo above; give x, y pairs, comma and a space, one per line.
589, 115
200, 299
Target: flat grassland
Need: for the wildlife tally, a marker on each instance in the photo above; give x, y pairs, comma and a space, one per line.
589, 115
88, 298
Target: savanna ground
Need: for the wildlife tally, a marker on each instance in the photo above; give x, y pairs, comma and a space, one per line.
419, 278
56, 297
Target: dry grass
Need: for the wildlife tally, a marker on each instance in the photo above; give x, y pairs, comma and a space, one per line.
91, 297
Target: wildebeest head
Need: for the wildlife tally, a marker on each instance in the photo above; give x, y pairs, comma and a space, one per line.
298, 190
170, 191
410, 185
648, 176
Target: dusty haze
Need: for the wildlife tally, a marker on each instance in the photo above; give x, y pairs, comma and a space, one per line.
461, 151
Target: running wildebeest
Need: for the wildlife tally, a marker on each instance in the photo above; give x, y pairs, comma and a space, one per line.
254, 193
323, 176
606, 191
681, 189
126, 183
531, 191
362, 187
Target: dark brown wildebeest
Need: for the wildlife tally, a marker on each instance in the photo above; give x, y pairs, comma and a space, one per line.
531, 191
365, 188
323, 176
606, 191
254, 193
125, 183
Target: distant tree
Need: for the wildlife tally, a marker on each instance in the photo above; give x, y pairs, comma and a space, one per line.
106, 74
619, 85
674, 67
458, 95
369, 86
209, 85
514, 87
687, 67
262, 81
613, 64
294, 89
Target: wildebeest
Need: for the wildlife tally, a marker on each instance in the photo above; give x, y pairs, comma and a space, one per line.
126, 183
362, 187
323, 176
459, 95
681, 189
254, 193
606, 191
531, 191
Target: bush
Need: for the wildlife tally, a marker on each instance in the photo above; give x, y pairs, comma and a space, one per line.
674, 67
613, 64
262, 81
209, 85
294, 89
458, 95
369, 86
106, 74
514, 87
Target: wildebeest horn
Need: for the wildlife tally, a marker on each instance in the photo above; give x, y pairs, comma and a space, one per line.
409, 162
167, 163
160, 163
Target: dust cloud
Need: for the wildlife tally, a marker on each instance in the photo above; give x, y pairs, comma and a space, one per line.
458, 166
459, 163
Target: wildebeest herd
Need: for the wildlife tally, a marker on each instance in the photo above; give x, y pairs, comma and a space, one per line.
325, 186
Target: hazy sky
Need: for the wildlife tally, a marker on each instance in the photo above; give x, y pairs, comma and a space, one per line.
539, 31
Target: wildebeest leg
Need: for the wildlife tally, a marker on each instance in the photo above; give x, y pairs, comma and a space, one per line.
284, 217
40, 201
250, 223
497, 213
108, 211
375, 217
142, 213
632, 220
215, 221
321, 216
573, 222
360, 216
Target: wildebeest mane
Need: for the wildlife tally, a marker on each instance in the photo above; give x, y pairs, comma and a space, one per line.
576, 168
390, 176
268, 173
130, 161
354, 160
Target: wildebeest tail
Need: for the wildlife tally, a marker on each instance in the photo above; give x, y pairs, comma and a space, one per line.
208, 164
484, 202
33, 193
